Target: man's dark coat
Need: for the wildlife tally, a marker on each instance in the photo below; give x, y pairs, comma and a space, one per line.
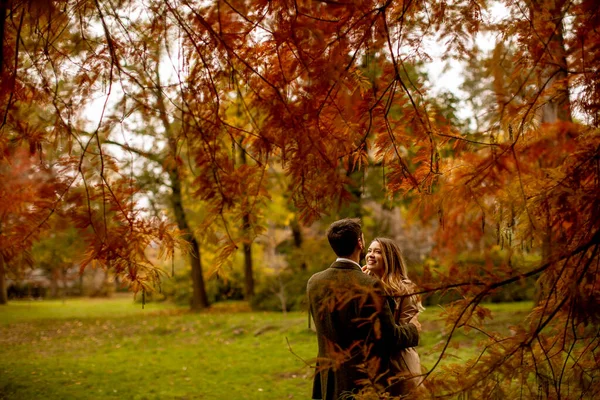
355, 329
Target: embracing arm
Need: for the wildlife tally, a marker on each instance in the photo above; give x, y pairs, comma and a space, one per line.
407, 336
395, 336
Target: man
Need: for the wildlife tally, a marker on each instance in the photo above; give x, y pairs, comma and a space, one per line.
355, 327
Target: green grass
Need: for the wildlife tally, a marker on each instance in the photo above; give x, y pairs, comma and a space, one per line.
114, 349
36, 310
465, 344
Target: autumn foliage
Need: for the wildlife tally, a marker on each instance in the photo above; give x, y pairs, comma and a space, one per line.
322, 89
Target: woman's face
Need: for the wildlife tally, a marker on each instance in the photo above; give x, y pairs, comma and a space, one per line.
375, 259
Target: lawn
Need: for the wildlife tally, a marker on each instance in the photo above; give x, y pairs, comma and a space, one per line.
114, 349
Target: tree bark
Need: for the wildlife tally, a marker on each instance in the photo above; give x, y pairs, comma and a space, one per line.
199, 298
3, 10
298, 239
54, 284
248, 264
554, 73
248, 267
3, 294
559, 107
554, 76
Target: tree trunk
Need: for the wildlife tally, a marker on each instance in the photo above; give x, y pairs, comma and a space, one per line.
282, 296
555, 68
297, 235
248, 265
3, 294
54, 284
558, 108
199, 298
3, 10
353, 209
248, 268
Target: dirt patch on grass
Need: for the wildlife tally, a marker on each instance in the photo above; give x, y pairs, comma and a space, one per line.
228, 308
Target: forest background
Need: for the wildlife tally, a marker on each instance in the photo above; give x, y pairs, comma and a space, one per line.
231, 133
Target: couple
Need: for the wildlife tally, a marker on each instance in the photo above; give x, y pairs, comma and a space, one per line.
366, 321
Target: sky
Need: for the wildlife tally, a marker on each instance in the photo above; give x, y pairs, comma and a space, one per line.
447, 75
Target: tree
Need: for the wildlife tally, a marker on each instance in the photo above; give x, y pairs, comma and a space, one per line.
146, 109
23, 205
247, 246
527, 174
57, 254
42, 112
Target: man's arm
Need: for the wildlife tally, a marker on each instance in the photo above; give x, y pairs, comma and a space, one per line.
393, 336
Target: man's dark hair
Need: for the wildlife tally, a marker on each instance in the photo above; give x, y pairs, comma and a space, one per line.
343, 236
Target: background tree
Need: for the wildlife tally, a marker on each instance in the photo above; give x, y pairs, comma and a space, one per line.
57, 254
149, 108
27, 194
44, 111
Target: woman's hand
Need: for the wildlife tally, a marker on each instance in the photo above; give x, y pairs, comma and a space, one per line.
415, 322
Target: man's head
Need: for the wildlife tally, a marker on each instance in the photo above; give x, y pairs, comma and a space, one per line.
345, 236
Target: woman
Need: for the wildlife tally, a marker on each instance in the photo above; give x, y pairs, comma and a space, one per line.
384, 260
